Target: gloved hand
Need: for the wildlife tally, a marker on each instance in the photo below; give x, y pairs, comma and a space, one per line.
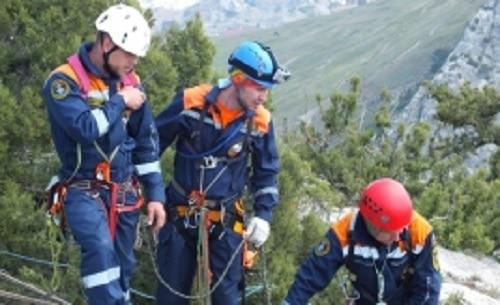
257, 231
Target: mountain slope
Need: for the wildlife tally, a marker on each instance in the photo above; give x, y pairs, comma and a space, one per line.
222, 17
391, 44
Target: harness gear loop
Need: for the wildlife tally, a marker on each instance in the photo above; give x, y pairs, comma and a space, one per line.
55, 204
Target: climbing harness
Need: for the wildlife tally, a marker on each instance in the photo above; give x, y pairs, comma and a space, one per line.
57, 190
203, 214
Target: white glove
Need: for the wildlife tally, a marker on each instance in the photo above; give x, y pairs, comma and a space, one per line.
257, 231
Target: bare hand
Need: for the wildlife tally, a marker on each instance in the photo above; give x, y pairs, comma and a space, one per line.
156, 215
134, 98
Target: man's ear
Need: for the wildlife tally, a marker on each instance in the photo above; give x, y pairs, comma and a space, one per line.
238, 78
106, 43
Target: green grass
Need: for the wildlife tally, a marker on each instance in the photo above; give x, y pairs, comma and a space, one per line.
389, 44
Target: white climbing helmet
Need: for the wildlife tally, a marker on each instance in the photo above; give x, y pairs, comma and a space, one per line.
127, 28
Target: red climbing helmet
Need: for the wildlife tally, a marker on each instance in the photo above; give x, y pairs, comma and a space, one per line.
386, 204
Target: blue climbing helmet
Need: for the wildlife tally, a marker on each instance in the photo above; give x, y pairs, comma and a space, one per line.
258, 63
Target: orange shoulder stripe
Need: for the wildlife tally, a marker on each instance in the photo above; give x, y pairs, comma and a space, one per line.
195, 97
95, 82
419, 229
341, 228
66, 69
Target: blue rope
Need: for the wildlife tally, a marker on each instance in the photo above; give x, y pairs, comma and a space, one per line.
34, 260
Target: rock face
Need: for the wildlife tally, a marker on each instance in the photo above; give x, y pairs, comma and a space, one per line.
225, 17
476, 59
476, 279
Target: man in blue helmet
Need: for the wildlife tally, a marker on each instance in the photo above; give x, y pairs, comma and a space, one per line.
106, 139
219, 131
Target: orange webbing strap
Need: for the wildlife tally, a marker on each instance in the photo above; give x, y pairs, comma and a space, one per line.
115, 209
55, 203
184, 210
212, 215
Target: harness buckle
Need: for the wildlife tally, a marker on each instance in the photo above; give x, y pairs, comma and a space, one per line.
192, 220
210, 162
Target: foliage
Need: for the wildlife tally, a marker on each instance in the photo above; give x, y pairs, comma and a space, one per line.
36, 37
477, 108
322, 170
191, 53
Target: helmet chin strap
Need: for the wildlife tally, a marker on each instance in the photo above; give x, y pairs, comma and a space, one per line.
105, 59
239, 100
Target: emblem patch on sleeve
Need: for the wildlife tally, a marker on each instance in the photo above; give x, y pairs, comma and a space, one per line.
323, 247
59, 89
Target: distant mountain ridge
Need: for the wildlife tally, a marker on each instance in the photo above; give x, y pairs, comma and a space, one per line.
390, 44
230, 17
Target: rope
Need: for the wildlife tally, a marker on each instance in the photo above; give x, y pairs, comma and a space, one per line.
34, 260
264, 276
142, 294
203, 257
17, 297
4, 274
152, 255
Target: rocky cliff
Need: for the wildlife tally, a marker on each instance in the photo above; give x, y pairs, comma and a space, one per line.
476, 59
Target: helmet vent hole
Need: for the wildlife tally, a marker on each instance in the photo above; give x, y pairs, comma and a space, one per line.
124, 37
372, 205
104, 18
134, 28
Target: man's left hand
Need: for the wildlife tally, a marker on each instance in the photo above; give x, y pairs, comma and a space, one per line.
257, 231
156, 215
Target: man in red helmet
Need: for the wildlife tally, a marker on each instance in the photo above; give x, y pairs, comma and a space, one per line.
387, 248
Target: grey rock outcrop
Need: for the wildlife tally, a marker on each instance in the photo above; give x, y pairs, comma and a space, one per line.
476, 59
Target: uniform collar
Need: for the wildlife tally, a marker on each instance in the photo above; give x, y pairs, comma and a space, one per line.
84, 54
362, 235
224, 83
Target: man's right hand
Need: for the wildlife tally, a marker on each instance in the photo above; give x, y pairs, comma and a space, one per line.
133, 97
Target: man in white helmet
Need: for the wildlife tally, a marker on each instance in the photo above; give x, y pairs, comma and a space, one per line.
107, 142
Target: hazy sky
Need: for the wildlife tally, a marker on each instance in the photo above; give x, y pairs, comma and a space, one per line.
172, 4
